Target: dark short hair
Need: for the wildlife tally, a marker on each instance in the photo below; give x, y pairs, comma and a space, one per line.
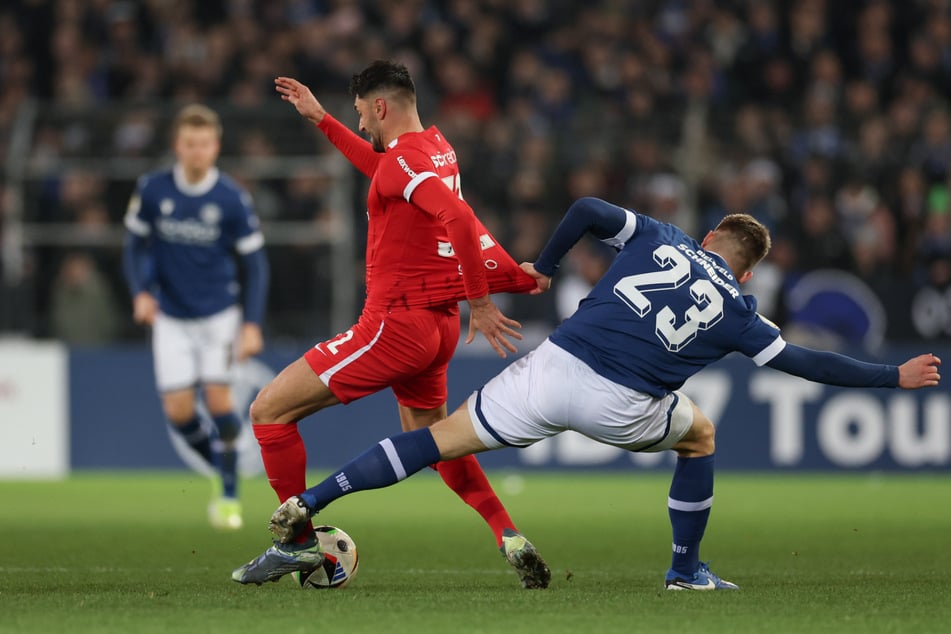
383, 75
750, 238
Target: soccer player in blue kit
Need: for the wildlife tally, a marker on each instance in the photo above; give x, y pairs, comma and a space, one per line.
666, 308
186, 228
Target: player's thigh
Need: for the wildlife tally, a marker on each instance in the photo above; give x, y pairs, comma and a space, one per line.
215, 340
618, 415
456, 436
379, 351
174, 355
218, 398
549, 391
510, 410
293, 394
699, 440
423, 394
416, 418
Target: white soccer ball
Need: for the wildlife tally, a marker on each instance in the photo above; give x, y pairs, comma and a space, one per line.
340, 561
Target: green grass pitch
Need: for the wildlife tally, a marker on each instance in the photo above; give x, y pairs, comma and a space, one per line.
131, 552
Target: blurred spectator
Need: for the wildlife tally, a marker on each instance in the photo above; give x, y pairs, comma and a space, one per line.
684, 110
763, 198
932, 152
528, 234
580, 271
855, 201
83, 309
908, 202
934, 248
820, 134
821, 243
870, 156
667, 202
134, 134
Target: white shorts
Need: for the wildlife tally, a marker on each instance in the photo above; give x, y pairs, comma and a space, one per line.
191, 351
549, 391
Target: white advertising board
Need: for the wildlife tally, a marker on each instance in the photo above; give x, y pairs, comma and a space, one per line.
34, 404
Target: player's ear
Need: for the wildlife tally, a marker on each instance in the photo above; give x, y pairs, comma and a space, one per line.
743, 279
379, 107
706, 239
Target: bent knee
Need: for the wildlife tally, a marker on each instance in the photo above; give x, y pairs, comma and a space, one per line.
261, 411
704, 436
179, 407
700, 440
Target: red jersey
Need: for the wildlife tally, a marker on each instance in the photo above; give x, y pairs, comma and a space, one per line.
414, 204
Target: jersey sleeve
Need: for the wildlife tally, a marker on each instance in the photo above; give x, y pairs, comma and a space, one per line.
613, 225
409, 175
759, 339
401, 172
833, 368
357, 150
248, 236
829, 368
140, 211
249, 242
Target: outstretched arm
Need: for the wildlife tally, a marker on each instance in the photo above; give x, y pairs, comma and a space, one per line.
357, 150
605, 221
838, 369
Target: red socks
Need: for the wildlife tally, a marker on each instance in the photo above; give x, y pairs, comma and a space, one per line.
285, 461
466, 478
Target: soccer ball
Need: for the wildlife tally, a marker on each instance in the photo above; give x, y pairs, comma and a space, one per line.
340, 561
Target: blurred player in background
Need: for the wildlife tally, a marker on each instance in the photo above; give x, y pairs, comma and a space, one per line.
666, 308
426, 251
187, 228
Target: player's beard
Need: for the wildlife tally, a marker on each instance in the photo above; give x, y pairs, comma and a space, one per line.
377, 143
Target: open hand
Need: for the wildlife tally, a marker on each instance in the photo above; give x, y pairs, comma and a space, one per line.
300, 96
485, 317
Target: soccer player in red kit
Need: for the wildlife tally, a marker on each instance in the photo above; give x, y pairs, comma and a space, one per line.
426, 251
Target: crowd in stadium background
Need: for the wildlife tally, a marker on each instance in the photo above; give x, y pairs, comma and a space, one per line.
828, 121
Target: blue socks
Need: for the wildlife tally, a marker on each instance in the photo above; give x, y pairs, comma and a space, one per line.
386, 463
691, 496
197, 438
224, 455
229, 427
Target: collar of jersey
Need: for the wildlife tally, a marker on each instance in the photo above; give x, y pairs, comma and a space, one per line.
723, 264
194, 189
392, 144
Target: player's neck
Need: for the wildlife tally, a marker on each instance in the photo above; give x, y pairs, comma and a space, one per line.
195, 176
404, 124
729, 264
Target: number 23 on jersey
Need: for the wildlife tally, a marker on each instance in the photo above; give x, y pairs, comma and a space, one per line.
674, 272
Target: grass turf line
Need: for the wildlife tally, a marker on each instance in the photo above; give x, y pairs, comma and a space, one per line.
119, 552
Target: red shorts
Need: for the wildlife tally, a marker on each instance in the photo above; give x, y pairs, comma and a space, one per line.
407, 351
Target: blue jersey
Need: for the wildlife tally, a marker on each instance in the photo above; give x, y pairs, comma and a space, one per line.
194, 233
664, 310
